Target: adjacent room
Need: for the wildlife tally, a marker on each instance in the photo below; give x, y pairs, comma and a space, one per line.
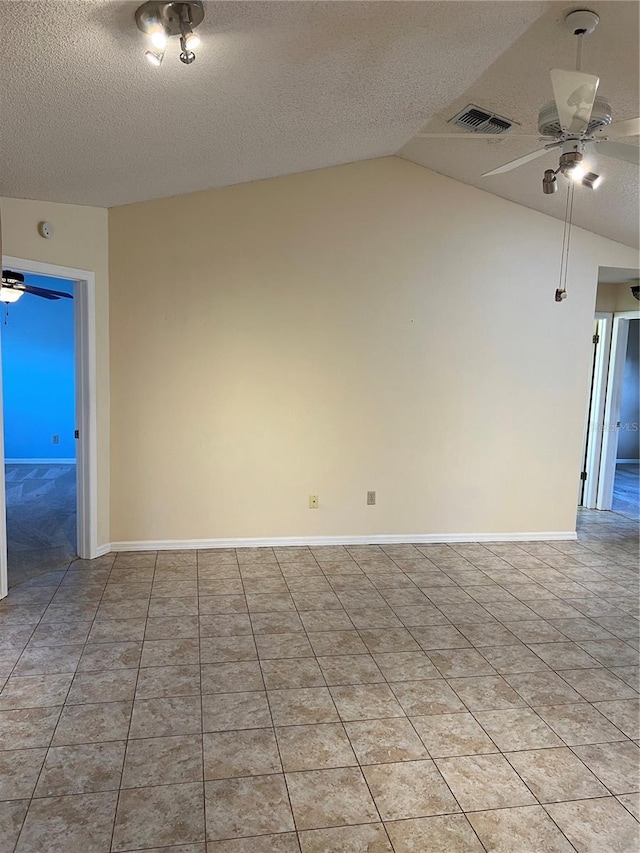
319, 491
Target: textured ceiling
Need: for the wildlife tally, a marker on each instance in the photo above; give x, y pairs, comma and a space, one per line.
516, 86
278, 87
281, 87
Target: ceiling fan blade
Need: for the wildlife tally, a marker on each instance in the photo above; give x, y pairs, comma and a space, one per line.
620, 151
574, 93
476, 136
619, 129
44, 292
520, 161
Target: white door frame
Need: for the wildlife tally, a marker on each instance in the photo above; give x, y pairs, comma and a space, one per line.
86, 409
594, 427
615, 377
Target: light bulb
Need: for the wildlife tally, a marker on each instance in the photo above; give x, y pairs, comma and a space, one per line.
192, 41
577, 173
159, 39
155, 57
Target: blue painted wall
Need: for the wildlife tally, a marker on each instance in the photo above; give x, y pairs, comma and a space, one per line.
38, 374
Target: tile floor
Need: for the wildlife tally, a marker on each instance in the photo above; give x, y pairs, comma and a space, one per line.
327, 700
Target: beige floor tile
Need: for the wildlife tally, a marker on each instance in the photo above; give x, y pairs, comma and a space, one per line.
433, 696
365, 702
616, 764
579, 724
406, 666
409, 789
104, 656
450, 833
60, 633
555, 775
350, 669
172, 627
598, 685
438, 637
211, 604
230, 711
453, 734
325, 620
249, 752
542, 688
35, 691
314, 747
484, 782
514, 659
163, 761
382, 741
115, 685
236, 625
224, 649
337, 643
117, 630
44, 660
492, 634
486, 693
527, 828
302, 706
458, 663
367, 838
60, 824
232, 677
593, 826
291, 673
160, 816
81, 769
625, 714
270, 602
612, 652
285, 842
323, 798
632, 804
92, 723
560, 656
156, 682
517, 728
629, 674
273, 646
178, 652
11, 819
244, 807
174, 715
388, 640
19, 770
276, 623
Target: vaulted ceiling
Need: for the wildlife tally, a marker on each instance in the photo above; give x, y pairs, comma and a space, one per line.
282, 87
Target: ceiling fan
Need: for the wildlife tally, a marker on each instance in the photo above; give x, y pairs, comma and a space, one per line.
13, 287
574, 121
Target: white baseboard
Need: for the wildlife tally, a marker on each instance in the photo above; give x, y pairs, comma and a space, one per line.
101, 550
377, 539
40, 461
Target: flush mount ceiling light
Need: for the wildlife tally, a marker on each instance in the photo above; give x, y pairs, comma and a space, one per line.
161, 20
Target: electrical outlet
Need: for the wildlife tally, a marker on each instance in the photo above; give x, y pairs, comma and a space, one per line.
313, 502
55, 439
371, 498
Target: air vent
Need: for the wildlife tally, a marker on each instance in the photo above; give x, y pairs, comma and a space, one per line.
476, 120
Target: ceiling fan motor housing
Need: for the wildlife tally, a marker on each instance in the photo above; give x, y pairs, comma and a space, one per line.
549, 123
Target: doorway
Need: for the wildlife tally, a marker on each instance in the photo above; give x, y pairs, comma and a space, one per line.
38, 381
626, 480
78, 532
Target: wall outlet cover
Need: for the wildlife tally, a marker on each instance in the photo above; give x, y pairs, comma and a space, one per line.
313, 502
371, 498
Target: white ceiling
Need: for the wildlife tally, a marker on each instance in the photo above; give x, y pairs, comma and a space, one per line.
516, 86
281, 87
618, 275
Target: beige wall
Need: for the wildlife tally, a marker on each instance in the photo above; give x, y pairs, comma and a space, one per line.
79, 241
612, 298
370, 326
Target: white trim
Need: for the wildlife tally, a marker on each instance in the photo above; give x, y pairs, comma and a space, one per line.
612, 407
86, 409
40, 461
4, 578
377, 539
594, 427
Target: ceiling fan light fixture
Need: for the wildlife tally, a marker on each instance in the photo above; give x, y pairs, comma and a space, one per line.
549, 182
159, 39
591, 180
161, 20
8, 295
192, 40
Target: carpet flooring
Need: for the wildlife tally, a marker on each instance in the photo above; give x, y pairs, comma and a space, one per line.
41, 519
